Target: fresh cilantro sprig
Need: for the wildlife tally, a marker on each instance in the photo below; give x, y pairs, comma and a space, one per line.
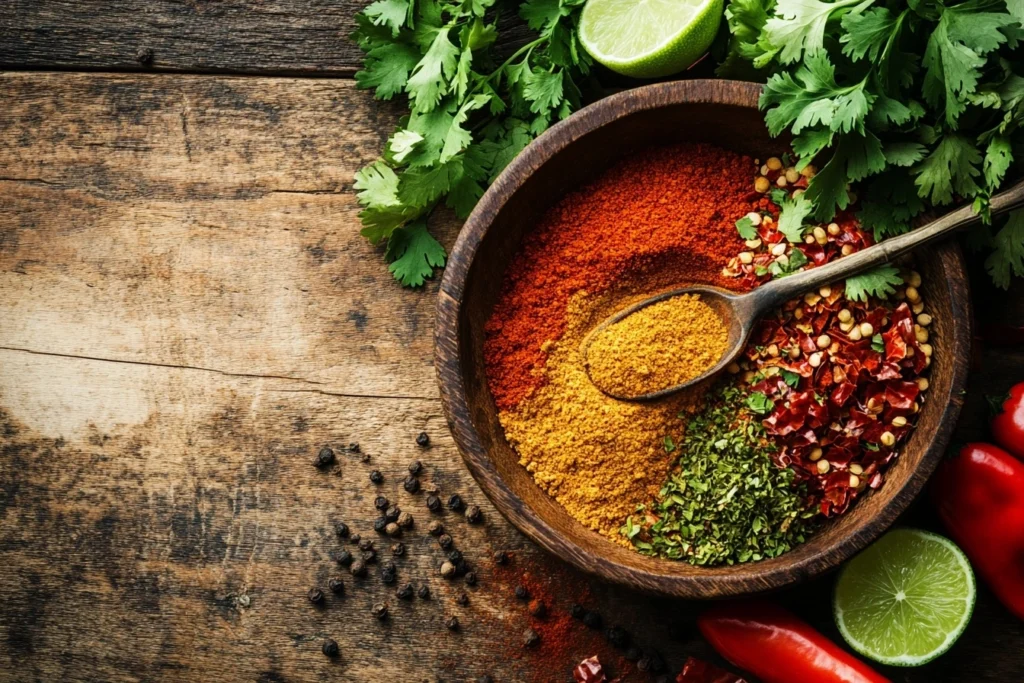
470, 112
922, 102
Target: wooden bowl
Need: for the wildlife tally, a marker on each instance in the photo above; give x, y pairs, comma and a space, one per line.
723, 113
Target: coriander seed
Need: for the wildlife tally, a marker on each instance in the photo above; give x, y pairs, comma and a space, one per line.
405, 520
447, 569
392, 529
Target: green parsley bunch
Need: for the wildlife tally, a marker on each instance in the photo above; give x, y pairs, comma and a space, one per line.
920, 101
470, 114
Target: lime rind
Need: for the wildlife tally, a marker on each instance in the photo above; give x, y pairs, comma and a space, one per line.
906, 599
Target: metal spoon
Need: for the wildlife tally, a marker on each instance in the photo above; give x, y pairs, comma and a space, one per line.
741, 311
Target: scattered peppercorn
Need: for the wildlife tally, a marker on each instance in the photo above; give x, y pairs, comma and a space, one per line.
462, 599
387, 576
537, 608
433, 503
405, 520
452, 623
447, 569
424, 592
376, 477
381, 503
355, 538
388, 565
380, 524
644, 664
577, 611
144, 56
366, 544
415, 467
455, 502
354, 447
592, 620
330, 648
341, 529
336, 586
406, 592
423, 440
365, 457
398, 549
521, 592
461, 567
617, 636
358, 568
633, 654
369, 556
454, 556
473, 514
530, 638
344, 558
392, 529
392, 513
435, 528
501, 557
471, 578
380, 610
315, 595
411, 484
445, 541
325, 457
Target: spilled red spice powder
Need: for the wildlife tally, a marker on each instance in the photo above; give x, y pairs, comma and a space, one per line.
678, 202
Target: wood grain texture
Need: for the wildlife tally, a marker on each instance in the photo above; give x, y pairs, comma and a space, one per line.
298, 37
188, 315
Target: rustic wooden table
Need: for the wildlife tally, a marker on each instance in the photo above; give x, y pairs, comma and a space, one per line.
188, 314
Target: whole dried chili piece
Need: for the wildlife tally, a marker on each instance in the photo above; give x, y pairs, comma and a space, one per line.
591, 671
980, 497
1008, 424
698, 671
777, 647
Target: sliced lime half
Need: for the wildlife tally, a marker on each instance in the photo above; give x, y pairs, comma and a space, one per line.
906, 599
649, 38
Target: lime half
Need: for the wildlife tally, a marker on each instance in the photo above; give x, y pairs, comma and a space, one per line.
906, 599
649, 38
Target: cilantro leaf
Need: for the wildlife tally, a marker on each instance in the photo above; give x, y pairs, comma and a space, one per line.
868, 33
746, 228
403, 143
1008, 257
387, 69
791, 378
878, 344
952, 166
904, 152
390, 13
427, 83
998, 157
799, 25
951, 71
878, 282
414, 254
791, 219
759, 403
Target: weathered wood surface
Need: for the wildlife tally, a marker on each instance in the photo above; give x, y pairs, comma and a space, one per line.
186, 316
239, 36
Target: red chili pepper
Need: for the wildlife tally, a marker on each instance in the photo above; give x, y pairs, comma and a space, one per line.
980, 497
777, 647
1008, 424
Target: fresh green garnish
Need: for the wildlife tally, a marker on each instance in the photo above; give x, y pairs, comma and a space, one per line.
746, 228
759, 403
728, 502
878, 282
878, 344
791, 219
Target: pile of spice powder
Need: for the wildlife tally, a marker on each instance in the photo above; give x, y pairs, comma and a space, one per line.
662, 218
660, 346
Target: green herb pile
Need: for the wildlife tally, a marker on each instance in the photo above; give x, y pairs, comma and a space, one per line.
727, 502
470, 114
920, 102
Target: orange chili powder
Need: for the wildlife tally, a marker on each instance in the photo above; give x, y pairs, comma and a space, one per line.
677, 202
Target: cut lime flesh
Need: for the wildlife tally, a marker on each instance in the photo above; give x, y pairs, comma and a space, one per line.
649, 38
906, 599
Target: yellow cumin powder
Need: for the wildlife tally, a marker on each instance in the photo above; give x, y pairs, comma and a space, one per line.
660, 346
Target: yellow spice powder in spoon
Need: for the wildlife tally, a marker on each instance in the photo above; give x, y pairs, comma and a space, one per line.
660, 346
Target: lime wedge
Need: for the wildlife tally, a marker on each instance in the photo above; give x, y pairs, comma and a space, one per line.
906, 599
649, 38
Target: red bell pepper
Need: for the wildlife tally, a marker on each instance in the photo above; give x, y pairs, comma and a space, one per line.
1008, 424
980, 497
777, 647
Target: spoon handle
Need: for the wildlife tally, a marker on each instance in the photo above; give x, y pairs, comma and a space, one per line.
776, 292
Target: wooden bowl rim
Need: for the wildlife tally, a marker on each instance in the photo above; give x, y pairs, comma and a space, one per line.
448, 366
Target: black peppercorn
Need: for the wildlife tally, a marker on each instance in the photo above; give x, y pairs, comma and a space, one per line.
405, 520
500, 557
380, 524
381, 503
423, 440
445, 541
392, 529
388, 565
644, 664
452, 623
325, 457
461, 567
392, 513
354, 447
522, 593
341, 529
473, 514
454, 556
411, 484
435, 528
455, 502
330, 648
447, 570
617, 636
424, 592
366, 544
398, 549
315, 595
376, 477
471, 578
144, 56
537, 608
336, 585
344, 558
592, 620
415, 467
358, 568
530, 638
433, 503
462, 599
380, 610
387, 576
355, 538
369, 556
577, 611
405, 592
633, 654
